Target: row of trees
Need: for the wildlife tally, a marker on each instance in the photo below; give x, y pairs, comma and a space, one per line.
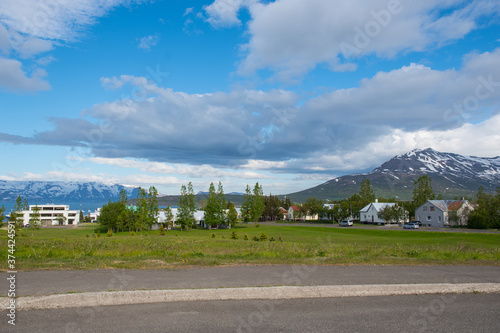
117, 216
487, 212
253, 205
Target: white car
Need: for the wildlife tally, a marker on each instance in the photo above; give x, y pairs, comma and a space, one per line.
410, 226
346, 223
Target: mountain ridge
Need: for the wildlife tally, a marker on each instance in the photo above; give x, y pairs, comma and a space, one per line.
452, 175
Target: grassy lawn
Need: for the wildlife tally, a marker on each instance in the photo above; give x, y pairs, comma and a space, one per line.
79, 248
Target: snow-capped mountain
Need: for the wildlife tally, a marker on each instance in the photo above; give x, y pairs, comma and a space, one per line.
57, 191
452, 176
449, 165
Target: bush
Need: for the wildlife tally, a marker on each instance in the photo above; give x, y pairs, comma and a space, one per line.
109, 233
234, 235
272, 239
132, 233
257, 225
245, 237
263, 237
213, 235
162, 230
255, 238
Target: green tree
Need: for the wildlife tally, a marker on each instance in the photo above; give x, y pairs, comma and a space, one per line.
187, 206
246, 206
142, 210
35, 220
26, 206
366, 192
2, 216
422, 190
153, 209
341, 211
257, 203
16, 216
169, 217
313, 206
123, 196
211, 208
221, 204
271, 207
232, 216
487, 212
112, 215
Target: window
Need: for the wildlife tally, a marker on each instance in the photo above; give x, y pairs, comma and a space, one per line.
432, 208
424, 208
439, 218
429, 218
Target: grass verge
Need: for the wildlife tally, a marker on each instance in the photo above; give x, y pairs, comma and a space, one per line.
80, 248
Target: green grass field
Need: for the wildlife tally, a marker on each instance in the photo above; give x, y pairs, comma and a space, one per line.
79, 248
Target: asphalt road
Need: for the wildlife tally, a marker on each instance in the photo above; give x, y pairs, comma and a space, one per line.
424, 313
383, 227
35, 283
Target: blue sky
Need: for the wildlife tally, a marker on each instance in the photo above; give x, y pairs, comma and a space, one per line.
289, 93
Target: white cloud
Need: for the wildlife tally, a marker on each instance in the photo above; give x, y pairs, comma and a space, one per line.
224, 13
343, 131
147, 42
4, 40
32, 27
34, 46
292, 37
13, 78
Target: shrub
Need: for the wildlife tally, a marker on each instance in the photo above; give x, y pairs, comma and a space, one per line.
245, 237
272, 239
234, 235
257, 225
213, 235
255, 238
132, 233
109, 233
263, 237
162, 230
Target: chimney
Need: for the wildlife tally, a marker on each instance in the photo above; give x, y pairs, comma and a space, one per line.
376, 200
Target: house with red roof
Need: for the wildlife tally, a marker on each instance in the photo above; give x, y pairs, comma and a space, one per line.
443, 213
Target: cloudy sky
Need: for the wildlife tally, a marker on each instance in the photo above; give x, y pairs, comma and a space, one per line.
289, 93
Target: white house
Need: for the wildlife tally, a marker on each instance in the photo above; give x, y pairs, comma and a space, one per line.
436, 213
295, 214
369, 213
52, 215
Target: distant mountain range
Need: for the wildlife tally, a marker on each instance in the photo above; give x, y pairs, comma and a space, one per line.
452, 176
42, 192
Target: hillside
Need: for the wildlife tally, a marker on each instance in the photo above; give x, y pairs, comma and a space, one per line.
452, 176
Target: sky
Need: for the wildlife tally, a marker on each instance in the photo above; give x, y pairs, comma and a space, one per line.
287, 93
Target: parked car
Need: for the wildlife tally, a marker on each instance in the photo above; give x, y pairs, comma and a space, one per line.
410, 225
346, 223
27, 225
417, 222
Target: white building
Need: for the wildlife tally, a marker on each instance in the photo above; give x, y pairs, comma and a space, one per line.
52, 215
436, 213
369, 213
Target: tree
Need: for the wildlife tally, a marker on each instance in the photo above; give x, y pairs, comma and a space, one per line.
286, 203
2, 216
16, 216
169, 216
391, 213
123, 196
366, 192
487, 213
25, 205
153, 209
422, 191
341, 211
246, 206
187, 206
221, 204
142, 210
232, 216
271, 207
257, 203
313, 206
211, 209
82, 217
35, 220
